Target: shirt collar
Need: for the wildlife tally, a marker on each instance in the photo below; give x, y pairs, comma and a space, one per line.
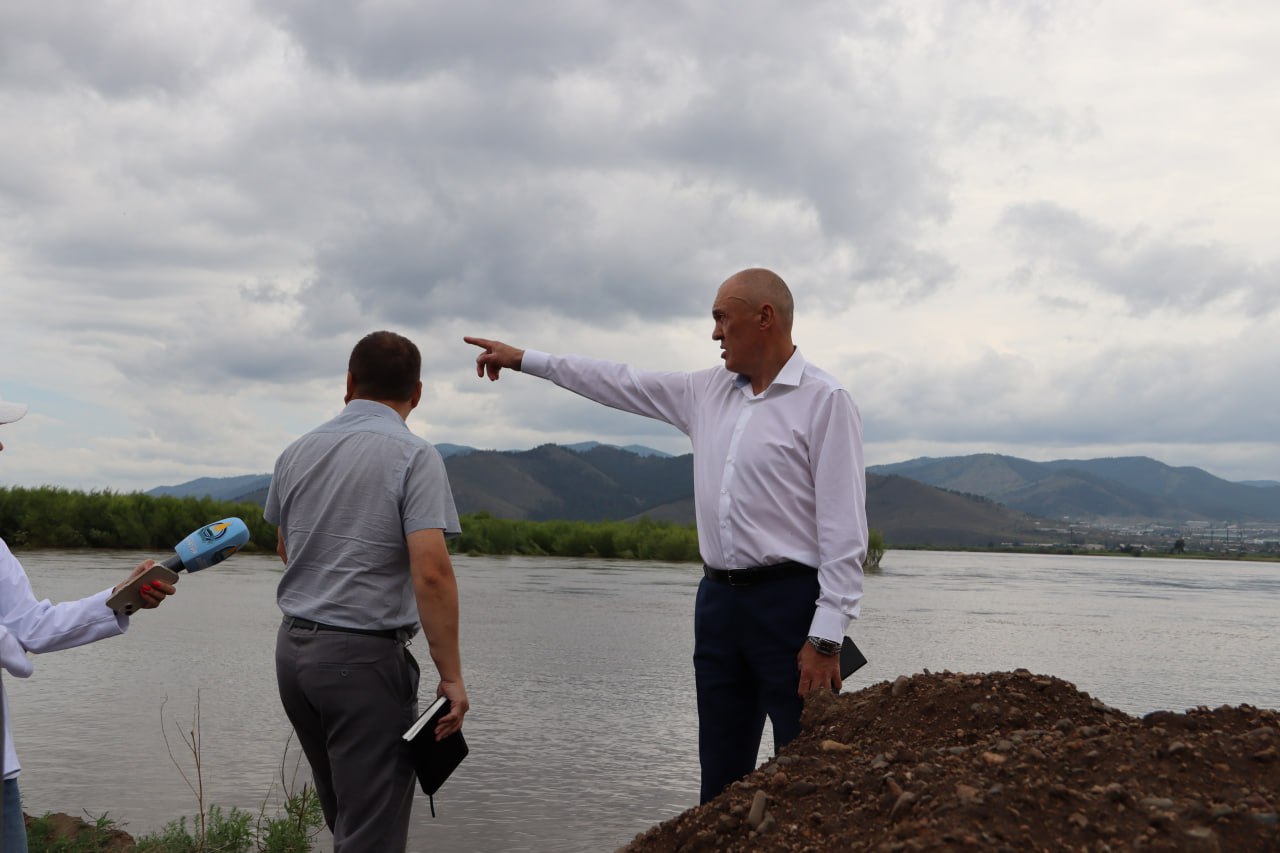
374, 409
790, 374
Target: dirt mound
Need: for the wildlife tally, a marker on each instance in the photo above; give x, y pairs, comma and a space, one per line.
997, 761
58, 831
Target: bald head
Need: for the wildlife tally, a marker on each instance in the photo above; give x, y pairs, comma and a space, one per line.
752, 313
758, 286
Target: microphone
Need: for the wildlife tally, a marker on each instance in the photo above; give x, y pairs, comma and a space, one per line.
201, 549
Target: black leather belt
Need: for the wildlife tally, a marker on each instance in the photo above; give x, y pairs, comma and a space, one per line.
308, 625
757, 574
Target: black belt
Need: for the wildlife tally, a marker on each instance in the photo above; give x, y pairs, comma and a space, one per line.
757, 574
308, 625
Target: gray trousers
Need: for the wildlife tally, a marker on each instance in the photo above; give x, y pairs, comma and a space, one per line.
350, 697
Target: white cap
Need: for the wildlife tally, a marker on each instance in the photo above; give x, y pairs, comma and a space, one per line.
10, 412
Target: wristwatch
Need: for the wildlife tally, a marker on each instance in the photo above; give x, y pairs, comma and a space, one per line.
825, 647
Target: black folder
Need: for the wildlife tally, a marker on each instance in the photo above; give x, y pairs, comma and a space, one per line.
851, 659
434, 760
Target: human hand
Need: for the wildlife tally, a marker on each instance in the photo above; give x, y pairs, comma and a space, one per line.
152, 592
496, 356
458, 707
817, 670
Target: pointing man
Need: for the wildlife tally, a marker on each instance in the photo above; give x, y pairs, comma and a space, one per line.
780, 493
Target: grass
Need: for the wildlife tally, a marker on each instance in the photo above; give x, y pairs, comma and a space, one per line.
288, 827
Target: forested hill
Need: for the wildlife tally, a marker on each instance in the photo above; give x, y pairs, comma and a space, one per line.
602, 482
1131, 488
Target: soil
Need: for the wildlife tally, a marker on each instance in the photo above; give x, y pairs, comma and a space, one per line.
1004, 761
1001, 761
76, 833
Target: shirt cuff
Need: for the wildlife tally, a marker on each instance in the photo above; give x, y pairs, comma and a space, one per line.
828, 625
122, 621
535, 363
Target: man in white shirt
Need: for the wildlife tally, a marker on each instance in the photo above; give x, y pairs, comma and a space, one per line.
780, 494
31, 625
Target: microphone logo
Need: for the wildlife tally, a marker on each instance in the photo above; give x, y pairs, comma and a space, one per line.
214, 532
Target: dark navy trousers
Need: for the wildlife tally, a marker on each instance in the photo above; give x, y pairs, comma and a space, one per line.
746, 639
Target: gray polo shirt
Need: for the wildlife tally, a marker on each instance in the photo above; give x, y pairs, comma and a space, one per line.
345, 496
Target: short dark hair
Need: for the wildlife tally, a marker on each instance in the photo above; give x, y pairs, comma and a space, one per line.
385, 366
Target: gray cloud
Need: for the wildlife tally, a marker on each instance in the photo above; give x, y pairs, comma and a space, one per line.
1148, 270
436, 36
120, 50
209, 207
1125, 393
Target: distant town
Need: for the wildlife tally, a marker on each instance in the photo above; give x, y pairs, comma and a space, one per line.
1190, 537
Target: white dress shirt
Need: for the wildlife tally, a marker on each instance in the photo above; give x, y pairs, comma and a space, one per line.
40, 626
777, 476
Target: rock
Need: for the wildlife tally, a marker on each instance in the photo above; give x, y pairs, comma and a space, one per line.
903, 805
756, 815
900, 685
801, 789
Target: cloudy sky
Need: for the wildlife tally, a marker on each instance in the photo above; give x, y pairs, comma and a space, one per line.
1045, 229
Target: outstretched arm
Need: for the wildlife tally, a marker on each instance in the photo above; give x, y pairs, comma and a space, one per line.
496, 356
666, 396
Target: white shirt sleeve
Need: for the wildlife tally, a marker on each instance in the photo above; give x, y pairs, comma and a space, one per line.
41, 626
664, 396
840, 485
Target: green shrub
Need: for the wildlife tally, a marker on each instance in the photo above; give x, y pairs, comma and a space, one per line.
97, 837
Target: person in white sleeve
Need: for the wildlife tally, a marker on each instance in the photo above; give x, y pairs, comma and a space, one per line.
28, 624
780, 498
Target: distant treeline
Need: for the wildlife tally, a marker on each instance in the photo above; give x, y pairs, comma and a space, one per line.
50, 517
625, 540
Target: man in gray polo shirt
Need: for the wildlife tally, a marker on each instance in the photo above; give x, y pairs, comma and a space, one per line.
363, 507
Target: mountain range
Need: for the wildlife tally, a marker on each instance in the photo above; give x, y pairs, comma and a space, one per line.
974, 500
1119, 489
594, 482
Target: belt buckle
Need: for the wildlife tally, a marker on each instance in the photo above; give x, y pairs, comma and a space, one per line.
740, 574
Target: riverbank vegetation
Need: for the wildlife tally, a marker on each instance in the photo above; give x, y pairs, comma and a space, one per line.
645, 539
50, 517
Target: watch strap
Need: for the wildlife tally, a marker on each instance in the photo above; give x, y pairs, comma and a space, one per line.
825, 647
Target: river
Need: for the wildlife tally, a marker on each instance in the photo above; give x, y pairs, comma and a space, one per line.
583, 725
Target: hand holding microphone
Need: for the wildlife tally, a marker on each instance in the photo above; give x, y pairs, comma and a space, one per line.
152, 589
203, 548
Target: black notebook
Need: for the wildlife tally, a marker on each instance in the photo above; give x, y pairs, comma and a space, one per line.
851, 659
434, 760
